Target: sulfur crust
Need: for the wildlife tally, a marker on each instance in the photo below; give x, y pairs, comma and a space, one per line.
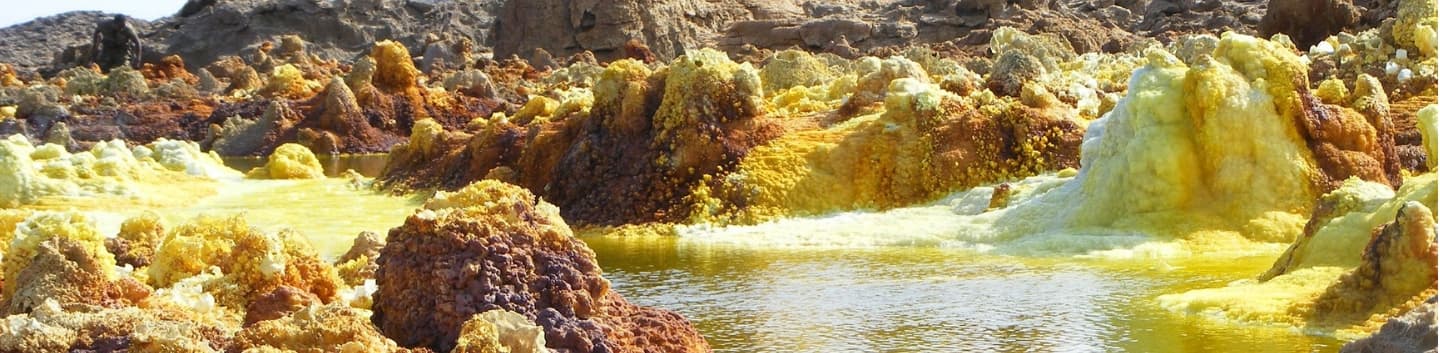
48, 176
250, 262
290, 161
1428, 125
1324, 283
44, 226
287, 81
1179, 156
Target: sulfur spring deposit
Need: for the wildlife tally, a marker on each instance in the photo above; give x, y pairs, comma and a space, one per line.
722, 176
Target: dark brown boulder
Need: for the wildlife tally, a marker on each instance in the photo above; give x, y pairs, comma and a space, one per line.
1308, 21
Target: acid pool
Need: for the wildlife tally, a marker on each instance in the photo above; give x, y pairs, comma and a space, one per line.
754, 289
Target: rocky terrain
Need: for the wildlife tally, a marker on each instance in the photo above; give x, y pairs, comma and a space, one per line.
528, 117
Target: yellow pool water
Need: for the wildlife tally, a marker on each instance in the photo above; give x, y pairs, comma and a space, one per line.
926, 299
857, 282
330, 212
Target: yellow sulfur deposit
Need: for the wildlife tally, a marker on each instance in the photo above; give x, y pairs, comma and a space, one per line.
791, 68
250, 262
620, 93
871, 161
703, 88
423, 137
288, 82
1415, 25
138, 238
394, 70
48, 175
1373, 251
921, 143
9, 218
537, 107
1398, 267
262, 261
1181, 154
191, 248
1428, 124
290, 161
1332, 91
1350, 214
513, 331
44, 226
485, 197
317, 328
478, 336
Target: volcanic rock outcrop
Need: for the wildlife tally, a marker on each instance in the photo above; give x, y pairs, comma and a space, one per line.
661, 143
643, 136
38, 44
497, 247
335, 30
565, 27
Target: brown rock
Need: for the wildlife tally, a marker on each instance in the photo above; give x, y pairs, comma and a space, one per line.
64, 271
564, 27
170, 68
636, 49
1344, 144
1408, 141
278, 303
495, 246
1308, 21
367, 244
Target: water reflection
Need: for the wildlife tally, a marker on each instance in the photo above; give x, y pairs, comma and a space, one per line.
925, 299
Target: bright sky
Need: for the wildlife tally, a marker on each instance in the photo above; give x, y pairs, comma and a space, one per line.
30, 9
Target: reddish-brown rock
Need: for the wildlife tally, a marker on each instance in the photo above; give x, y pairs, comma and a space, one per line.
65, 271
1345, 144
278, 303
496, 246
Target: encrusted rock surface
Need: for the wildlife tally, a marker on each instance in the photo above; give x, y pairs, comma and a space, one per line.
497, 247
1412, 332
